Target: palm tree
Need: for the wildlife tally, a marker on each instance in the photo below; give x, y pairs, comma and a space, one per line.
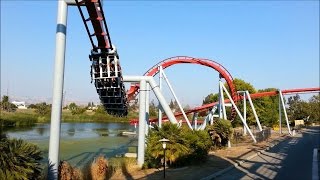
175, 148
19, 160
220, 132
184, 146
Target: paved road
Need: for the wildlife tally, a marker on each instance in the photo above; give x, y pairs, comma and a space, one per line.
291, 159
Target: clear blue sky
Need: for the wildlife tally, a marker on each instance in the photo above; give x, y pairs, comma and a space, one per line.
269, 44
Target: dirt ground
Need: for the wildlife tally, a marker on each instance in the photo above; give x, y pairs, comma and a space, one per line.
216, 161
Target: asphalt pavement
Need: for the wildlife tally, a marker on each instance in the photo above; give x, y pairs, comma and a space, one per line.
291, 159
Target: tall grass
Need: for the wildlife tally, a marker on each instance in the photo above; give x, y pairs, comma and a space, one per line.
29, 117
16, 119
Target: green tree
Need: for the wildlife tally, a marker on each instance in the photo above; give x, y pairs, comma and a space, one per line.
43, 109
314, 104
32, 106
72, 106
267, 108
298, 109
5, 105
153, 109
210, 99
241, 85
75, 109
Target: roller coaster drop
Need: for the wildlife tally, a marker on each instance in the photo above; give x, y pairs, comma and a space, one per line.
105, 69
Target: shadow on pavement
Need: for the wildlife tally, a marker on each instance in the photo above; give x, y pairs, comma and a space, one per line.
289, 159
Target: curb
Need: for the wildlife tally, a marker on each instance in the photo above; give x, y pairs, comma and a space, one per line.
236, 164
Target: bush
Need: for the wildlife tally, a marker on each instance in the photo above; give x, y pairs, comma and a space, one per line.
75, 109
220, 132
43, 109
78, 110
185, 146
19, 160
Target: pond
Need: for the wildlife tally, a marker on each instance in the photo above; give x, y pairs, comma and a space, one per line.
80, 142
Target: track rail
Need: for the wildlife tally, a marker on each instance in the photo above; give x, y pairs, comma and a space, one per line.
253, 96
224, 73
106, 71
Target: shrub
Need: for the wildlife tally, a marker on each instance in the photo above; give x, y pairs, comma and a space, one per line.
78, 110
43, 109
185, 146
220, 132
19, 160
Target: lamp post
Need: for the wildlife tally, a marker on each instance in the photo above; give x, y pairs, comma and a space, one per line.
164, 146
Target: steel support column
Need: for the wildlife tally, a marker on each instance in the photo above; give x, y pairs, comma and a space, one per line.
244, 112
159, 106
147, 108
280, 115
58, 79
142, 122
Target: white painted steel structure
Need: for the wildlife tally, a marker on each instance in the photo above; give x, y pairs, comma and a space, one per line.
58, 79
174, 95
254, 110
282, 105
142, 109
54, 142
222, 111
246, 95
237, 110
142, 122
159, 106
221, 105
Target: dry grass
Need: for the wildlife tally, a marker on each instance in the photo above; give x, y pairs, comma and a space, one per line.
122, 167
67, 172
99, 168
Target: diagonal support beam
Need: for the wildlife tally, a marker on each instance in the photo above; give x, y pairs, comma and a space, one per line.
237, 110
175, 97
284, 111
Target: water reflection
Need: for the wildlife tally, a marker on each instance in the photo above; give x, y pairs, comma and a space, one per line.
80, 142
41, 130
70, 130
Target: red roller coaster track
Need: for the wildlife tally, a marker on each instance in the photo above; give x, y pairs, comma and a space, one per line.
253, 96
133, 91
